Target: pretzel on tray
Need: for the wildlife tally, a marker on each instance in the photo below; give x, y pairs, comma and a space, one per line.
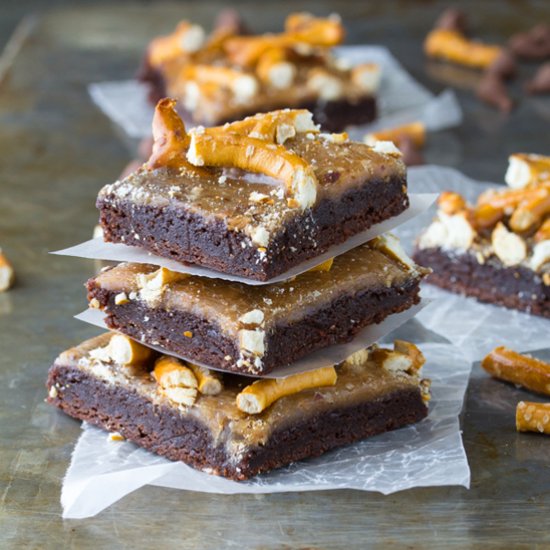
517, 368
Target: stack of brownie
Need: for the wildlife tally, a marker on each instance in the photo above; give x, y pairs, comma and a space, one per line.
190, 369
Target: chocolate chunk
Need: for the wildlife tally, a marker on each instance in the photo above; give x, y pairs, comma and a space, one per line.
540, 83
452, 19
492, 91
505, 65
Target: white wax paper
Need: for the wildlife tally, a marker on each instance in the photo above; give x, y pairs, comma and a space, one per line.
429, 453
474, 327
125, 102
324, 357
96, 249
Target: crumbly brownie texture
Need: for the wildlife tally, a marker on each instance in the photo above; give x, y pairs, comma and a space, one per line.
211, 321
512, 287
213, 435
215, 221
337, 95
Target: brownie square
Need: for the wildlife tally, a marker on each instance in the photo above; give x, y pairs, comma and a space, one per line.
212, 434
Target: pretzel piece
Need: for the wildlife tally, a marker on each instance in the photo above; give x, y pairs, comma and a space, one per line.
301, 29
453, 46
533, 417
258, 156
530, 212
125, 351
527, 170
486, 216
510, 248
451, 202
543, 233
416, 132
274, 68
244, 86
186, 39
274, 127
170, 138
514, 367
175, 380
404, 358
261, 394
209, 381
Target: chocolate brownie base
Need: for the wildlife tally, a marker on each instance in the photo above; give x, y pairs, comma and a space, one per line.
333, 116
512, 287
336, 323
163, 431
188, 237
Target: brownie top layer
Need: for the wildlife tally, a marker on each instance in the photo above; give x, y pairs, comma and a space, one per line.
225, 75
366, 376
379, 264
256, 204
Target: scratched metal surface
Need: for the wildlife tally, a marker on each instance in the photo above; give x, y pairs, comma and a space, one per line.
56, 152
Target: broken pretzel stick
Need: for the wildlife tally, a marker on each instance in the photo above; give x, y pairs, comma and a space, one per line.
275, 69
514, 367
531, 212
274, 127
451, 203
533, 417
527, 170
175, 380
405, 357
262, 393
454, 46
543, 233
125, 351
7, 274
415, 131
255, 155
159, 278
186, 39
301, 29
243, 86
209, 381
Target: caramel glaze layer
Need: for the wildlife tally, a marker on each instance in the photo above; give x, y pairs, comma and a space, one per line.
226, 194
224, 302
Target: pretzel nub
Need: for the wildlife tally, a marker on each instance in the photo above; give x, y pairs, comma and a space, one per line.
514, 367
454, 46
170, 138
533, 417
